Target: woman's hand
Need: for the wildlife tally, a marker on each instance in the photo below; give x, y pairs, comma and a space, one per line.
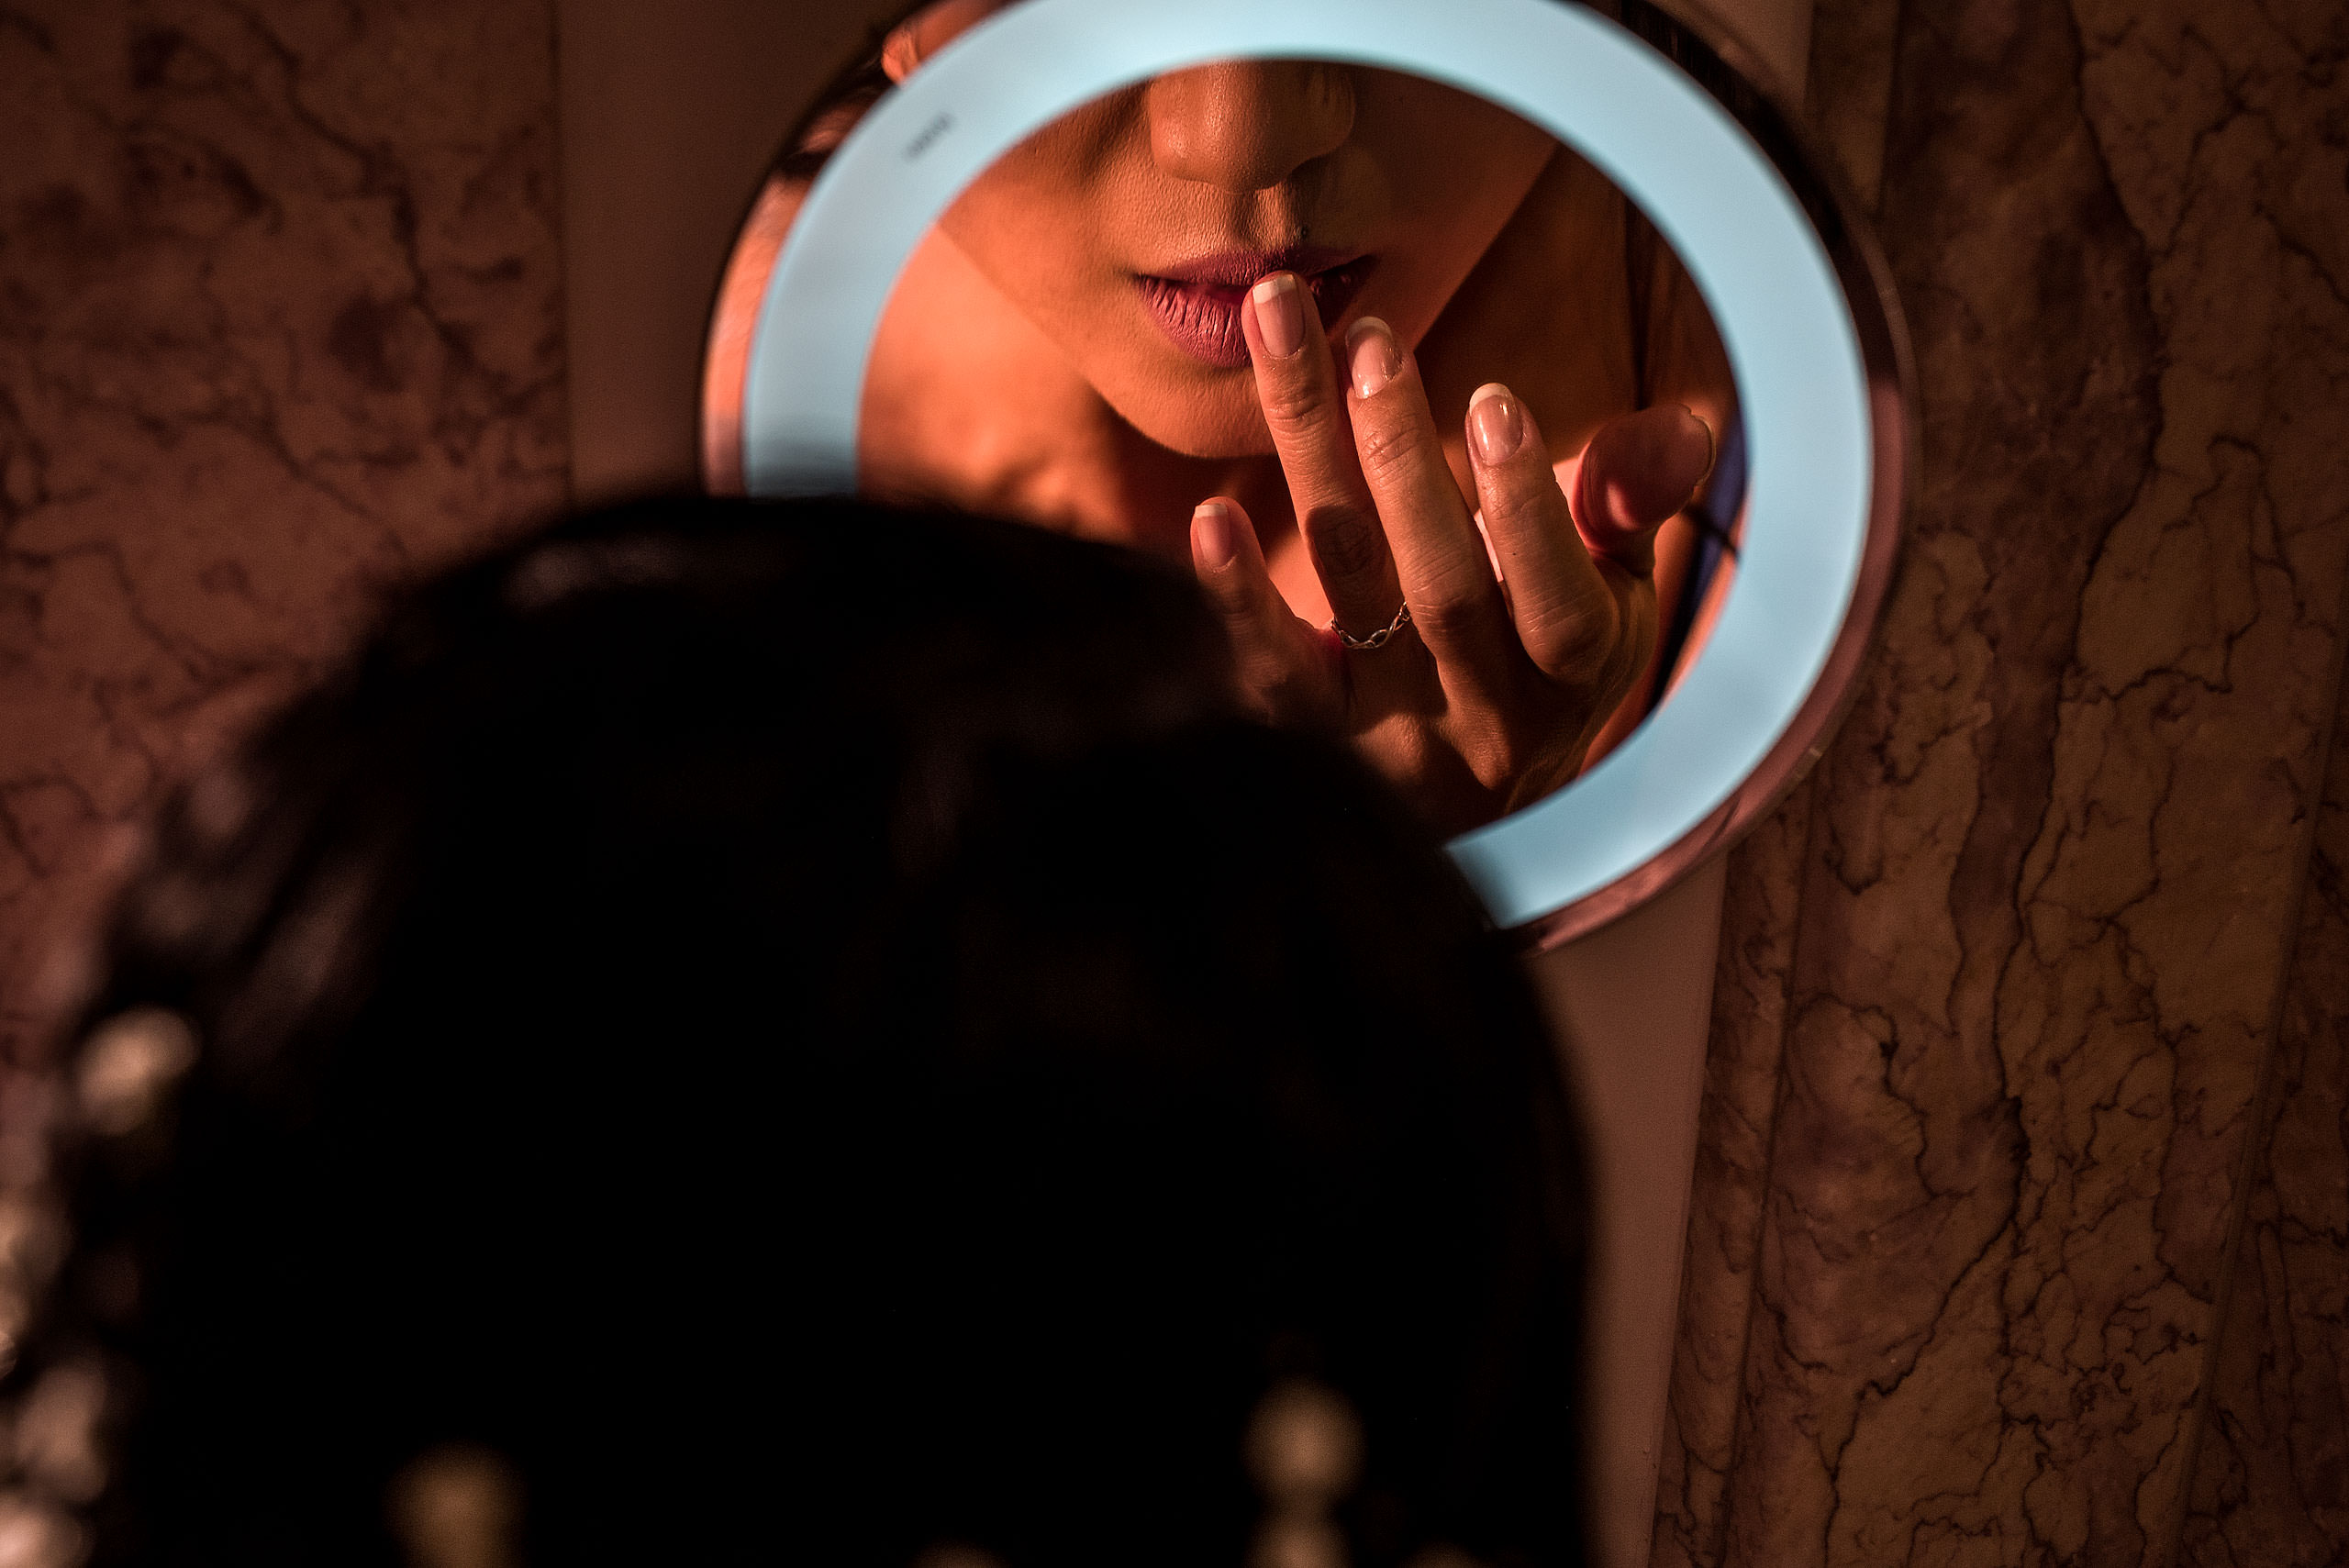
1489, 695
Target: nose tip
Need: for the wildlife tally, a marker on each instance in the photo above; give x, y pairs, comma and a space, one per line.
1249, 125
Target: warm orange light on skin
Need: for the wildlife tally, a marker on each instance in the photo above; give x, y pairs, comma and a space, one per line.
1417, 175
1017, 371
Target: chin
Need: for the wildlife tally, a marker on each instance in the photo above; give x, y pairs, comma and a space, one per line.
1220, 420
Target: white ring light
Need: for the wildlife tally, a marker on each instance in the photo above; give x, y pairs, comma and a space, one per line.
1802, 384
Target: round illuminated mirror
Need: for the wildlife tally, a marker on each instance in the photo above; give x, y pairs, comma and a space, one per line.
1529, 401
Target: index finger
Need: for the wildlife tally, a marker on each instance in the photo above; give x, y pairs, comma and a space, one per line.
1296, 382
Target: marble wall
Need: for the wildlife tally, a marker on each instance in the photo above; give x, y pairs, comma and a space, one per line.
280, 319
2019, 1234
1998, 992
2271, 1477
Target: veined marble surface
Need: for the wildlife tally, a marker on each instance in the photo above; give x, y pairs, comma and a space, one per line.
280, 320
2271, 1478
1850, 84
2054, 866
1699, 1456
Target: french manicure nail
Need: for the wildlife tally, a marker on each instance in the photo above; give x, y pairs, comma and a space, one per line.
1496, 423
1280, 315
1211, 522
1371, 356
1712, 442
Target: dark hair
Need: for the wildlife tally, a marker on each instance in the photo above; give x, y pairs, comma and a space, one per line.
806, 1032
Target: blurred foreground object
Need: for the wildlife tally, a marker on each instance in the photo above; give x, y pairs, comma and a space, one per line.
738, 1031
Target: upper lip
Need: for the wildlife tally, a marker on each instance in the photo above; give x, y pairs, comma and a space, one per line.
1240, 269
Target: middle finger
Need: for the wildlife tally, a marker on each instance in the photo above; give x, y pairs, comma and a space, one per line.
1445, 571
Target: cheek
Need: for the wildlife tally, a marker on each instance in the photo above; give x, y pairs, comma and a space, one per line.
996, 222
1037, 222
1459, 165
1467, 200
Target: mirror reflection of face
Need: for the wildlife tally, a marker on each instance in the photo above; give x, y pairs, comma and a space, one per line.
1164, 203
1066, 346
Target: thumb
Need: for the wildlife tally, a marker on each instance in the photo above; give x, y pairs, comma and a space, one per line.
1637, 472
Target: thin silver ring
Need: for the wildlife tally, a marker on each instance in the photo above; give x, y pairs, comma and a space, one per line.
1378, 638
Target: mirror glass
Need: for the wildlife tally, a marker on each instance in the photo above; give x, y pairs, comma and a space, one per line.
1065, 346
1087, 338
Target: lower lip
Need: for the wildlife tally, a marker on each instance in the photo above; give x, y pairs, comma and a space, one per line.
1203, 319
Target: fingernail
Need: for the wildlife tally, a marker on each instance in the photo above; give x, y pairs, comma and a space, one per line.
1496, 423
1712, 443
1280, 315
1372, 356
1211, 524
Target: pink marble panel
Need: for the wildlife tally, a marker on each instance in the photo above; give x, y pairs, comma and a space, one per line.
1850, 69
280, 317
1759, 912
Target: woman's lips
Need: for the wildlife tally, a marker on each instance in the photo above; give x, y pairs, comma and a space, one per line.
1198, 303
